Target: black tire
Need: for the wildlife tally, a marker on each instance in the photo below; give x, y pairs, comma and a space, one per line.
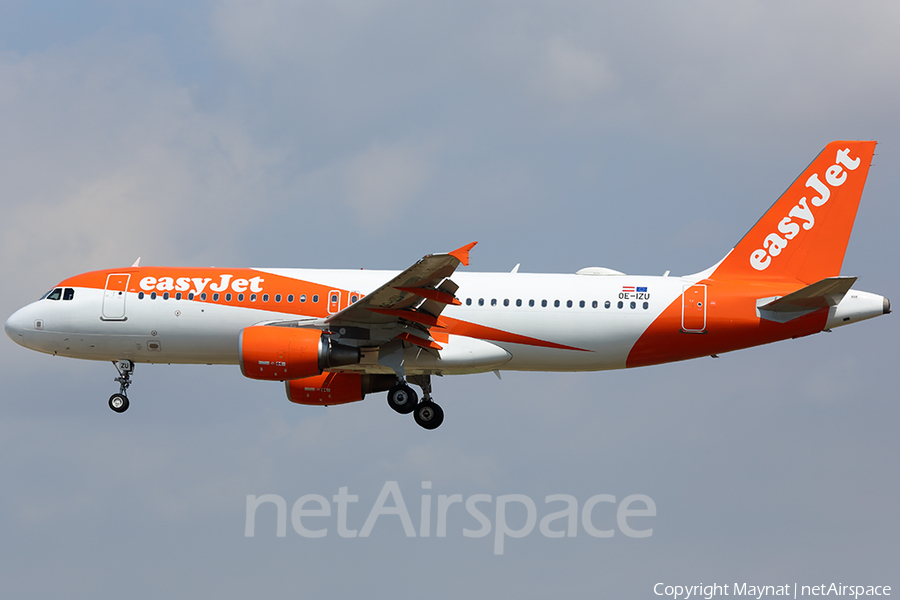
402, 398
118, 402
429, 415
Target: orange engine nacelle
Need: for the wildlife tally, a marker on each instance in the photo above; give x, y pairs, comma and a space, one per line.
336, 388
284, 353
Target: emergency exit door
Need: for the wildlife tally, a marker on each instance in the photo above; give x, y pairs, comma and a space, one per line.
334, 301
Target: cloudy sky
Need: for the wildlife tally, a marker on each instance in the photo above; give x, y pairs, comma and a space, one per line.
643, 137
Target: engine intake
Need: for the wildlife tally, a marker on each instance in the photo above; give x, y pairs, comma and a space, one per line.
283, 353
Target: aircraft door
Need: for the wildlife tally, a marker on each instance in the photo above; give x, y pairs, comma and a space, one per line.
114, 297
334, 301
693, 309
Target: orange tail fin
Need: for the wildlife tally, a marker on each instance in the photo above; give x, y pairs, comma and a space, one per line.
804, 235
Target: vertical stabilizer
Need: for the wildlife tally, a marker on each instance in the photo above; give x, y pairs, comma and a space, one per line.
804, 235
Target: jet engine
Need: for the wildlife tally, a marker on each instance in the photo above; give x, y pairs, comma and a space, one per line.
284, 353
336, 388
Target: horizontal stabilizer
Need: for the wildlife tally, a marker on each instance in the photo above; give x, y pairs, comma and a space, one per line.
822, 294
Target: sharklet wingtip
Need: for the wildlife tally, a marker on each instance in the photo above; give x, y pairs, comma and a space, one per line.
462, 254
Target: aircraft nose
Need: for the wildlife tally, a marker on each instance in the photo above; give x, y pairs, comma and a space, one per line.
15, 326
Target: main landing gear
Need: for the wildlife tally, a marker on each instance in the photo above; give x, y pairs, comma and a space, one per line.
403, 399
119, 402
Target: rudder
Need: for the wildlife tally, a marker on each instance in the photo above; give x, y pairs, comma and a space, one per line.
804, 235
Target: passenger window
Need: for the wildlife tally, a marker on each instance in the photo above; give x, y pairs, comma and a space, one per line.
556, 303
191, 296
153, 296
621, 304
315, 298
290, 298
569, 304
140, 295
633, 305
481, 302
302, 297
468, 302
493, 302
228, 297
68, 294
216, 297
240, 297
646, 305
581, 304
252, 297
265, 297
594, 304
531, 303
606, 304
277, 297
55, 294
506, 302
178, 296
544, 303
519, 302
166, 295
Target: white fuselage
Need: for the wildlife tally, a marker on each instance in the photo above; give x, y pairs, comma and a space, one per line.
547, 322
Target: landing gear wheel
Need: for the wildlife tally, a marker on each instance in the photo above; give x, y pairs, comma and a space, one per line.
428, 415
402, 398
118, 402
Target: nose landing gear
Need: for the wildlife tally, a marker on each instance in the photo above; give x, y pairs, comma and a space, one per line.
119, 402
404, 400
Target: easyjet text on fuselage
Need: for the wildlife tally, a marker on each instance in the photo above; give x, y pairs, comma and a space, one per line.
197, 285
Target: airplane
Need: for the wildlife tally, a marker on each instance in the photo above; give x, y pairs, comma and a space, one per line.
334, 336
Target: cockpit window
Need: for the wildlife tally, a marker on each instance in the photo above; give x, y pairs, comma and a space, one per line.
68, 294
55, 294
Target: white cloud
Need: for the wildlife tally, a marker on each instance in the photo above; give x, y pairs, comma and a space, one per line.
384, 180
570, 74
263, 35
103, 161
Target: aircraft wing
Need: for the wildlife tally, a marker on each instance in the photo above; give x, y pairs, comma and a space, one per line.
416, 297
